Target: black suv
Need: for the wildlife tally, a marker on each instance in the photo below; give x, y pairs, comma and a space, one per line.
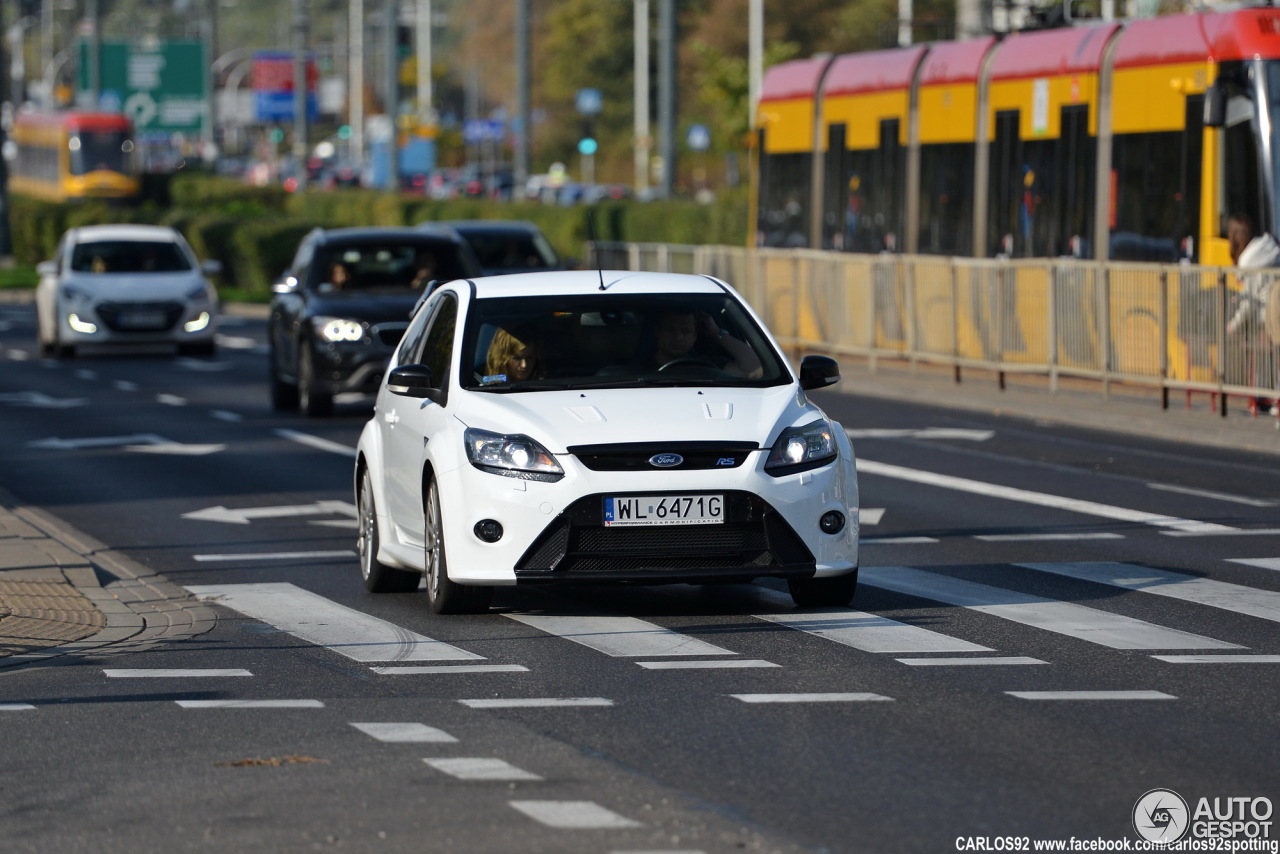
507, 246
340, 309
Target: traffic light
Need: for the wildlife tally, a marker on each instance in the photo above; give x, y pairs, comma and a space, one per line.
587, 144
344, 132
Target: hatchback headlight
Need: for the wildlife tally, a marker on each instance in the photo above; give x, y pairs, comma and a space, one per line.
335, 329
803, 447
511, 456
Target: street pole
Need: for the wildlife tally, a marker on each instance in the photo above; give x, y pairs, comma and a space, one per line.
355, 93
300, 91
643, 142
6, 97
426, 94
523, 129
667, 94
755, 58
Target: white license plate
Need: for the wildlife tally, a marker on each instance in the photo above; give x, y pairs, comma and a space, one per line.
141, 319
664, 510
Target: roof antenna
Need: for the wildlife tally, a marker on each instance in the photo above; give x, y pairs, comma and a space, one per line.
591, 230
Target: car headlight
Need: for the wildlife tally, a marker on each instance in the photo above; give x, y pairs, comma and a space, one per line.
511, 456
804, 447
334, 329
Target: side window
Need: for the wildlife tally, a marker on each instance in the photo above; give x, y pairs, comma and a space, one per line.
411, 345
437, 348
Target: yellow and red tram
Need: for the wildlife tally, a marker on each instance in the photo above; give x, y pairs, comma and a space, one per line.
73, 155
1116, 141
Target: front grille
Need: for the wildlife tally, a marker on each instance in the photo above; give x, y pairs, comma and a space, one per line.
635, 456
140, 316
753, 540
389, 334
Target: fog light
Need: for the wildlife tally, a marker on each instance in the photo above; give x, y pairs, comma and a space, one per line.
489, 530
832, 522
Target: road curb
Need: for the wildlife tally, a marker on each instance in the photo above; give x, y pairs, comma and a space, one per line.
140, 608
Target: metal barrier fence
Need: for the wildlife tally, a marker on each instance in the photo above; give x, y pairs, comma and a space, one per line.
1176, 328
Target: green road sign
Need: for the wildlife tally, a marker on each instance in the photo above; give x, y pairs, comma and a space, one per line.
163, 87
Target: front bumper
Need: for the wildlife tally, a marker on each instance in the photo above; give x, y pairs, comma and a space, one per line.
117, 322
555, 532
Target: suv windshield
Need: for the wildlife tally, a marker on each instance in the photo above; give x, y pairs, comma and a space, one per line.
385, 266
606, 341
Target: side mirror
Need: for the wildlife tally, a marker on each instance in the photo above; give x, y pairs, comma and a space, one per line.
412, 381
818, 372
211, 267
1215, 106
47, 268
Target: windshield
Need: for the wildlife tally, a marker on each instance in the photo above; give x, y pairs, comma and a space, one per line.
385, 266
129, 256
538, 343
97, 150
512, 250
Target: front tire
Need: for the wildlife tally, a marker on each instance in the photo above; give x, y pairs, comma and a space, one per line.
312, 402
377, 576
446, 596
833, 592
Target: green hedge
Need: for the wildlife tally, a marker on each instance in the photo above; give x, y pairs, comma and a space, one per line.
253, 231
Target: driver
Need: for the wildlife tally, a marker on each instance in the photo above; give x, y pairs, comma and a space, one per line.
676, 336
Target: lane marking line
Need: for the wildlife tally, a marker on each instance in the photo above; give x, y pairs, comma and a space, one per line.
961, 662
1009, 493
316, 442
811, 698
722, 664
250, 704
157, 673
405, 733
320, 621
1219, 659
1091, 695
450, 668
620, 637
481, 768
1208, 493
536, 703
1063, 618
573, 815
275, 556
1250, 601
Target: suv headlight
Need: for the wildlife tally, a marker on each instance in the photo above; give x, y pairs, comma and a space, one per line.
511, 456
335, 329
800, 448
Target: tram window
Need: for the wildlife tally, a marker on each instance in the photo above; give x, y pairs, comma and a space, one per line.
783, 215
1148, 217
946, 199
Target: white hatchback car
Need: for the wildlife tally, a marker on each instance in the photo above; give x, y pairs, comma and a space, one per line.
125, 284
585, 427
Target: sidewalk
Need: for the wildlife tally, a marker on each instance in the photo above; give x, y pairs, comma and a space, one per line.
63, 593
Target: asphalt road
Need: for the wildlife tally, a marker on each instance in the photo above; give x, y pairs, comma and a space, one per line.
1051, 622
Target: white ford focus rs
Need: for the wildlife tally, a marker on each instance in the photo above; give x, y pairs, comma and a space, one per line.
601, 427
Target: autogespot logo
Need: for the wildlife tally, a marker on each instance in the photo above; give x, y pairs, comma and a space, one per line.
1161, 816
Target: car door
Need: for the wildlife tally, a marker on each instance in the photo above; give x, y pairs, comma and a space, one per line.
407, 424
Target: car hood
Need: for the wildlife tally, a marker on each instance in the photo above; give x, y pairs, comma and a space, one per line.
138, 287
562, 419
374, 308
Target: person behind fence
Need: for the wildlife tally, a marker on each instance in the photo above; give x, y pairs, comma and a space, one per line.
1250, 250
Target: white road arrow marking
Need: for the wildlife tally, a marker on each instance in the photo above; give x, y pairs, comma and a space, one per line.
39, 400
245, 515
